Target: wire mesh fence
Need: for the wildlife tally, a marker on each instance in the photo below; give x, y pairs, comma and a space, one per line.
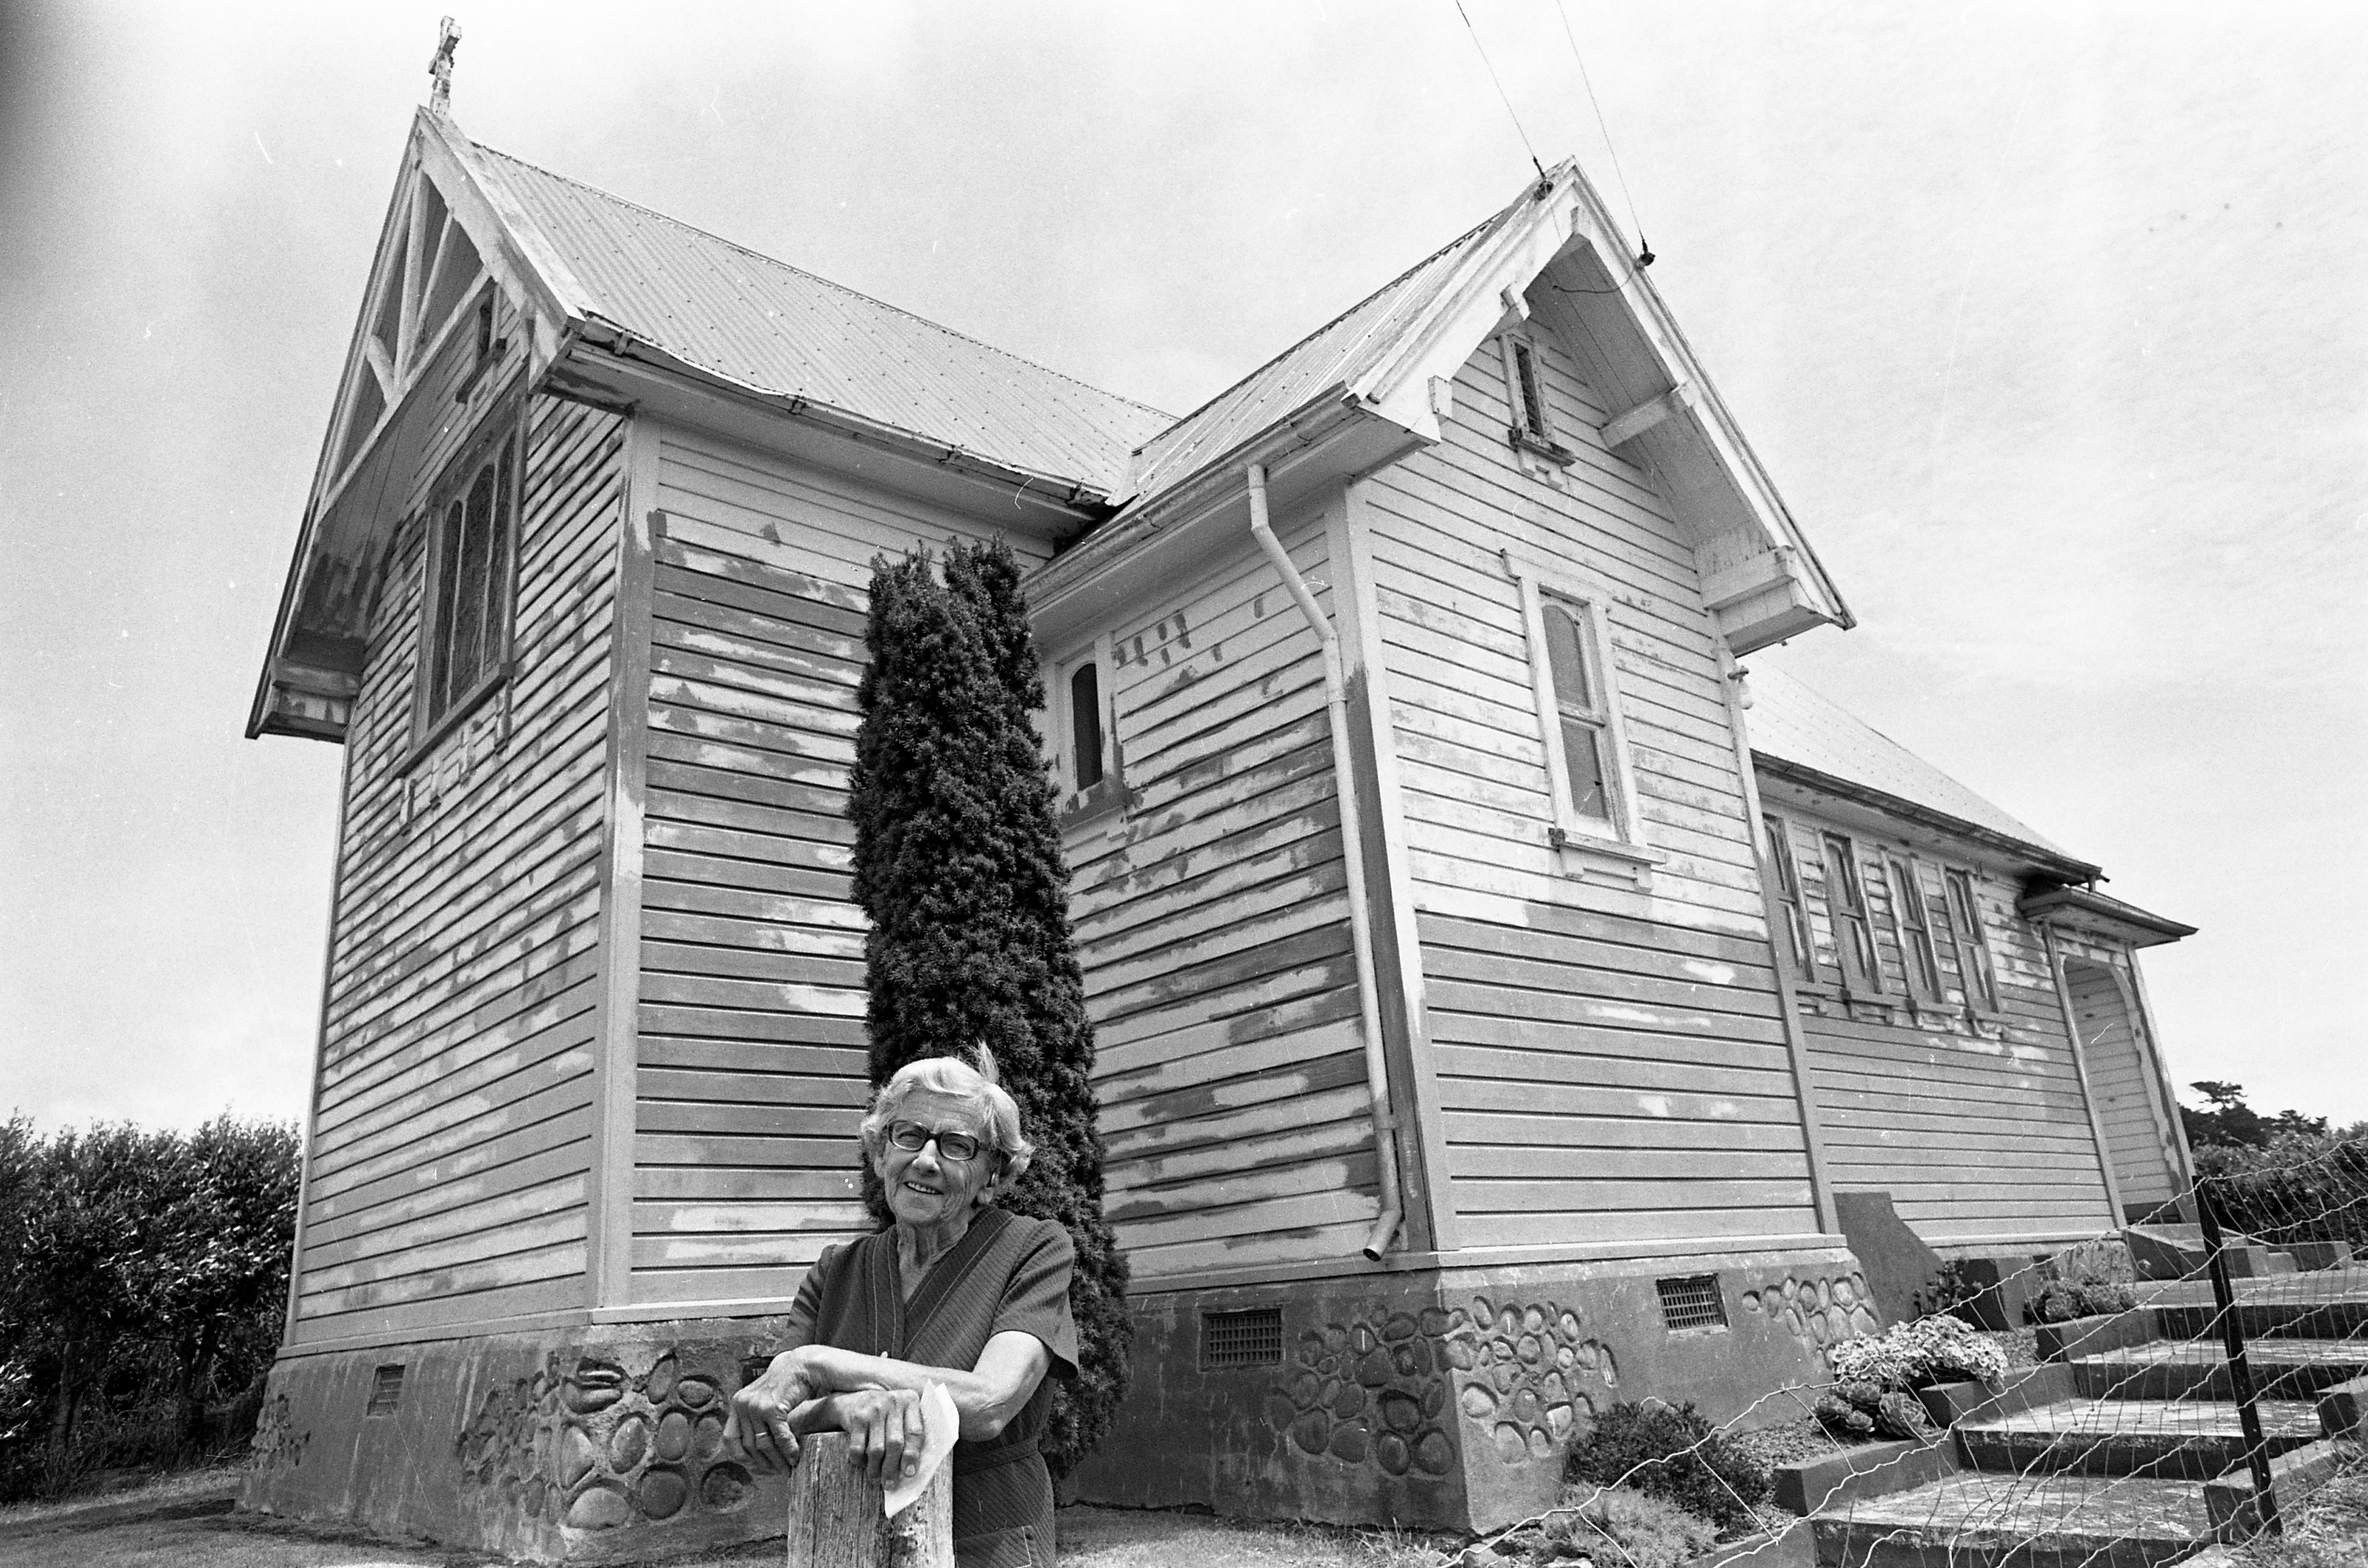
2197, 1382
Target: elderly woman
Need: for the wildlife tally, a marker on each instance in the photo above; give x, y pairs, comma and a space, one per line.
956, 1292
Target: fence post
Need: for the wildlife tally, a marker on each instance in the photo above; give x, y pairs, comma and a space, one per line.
2240, 1373
835, 1515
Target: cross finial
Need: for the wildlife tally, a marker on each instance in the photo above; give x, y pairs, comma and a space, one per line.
440, 66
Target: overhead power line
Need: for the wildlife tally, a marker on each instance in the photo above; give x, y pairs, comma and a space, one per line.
1644, 246
1491, 69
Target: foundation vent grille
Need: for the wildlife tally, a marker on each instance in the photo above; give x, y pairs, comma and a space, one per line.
1252, 1338
1691, 1302
386, 1391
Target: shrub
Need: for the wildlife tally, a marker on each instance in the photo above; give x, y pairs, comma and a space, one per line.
1629, 1528
958, 865
1672, 1453
1862, 1411
1876, 1378
1952, 1290
2303, 1187
1911, 1356
141, 1279
2061, 1301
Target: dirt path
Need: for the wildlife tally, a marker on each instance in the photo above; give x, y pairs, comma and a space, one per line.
188, 1521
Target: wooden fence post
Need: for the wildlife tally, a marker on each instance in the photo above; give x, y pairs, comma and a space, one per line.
835, 1515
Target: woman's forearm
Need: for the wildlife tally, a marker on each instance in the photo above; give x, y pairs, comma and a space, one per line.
985, 1398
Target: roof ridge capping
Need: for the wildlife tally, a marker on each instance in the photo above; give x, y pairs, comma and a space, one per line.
1367, 387
814, 277
1795, 725
1453, 245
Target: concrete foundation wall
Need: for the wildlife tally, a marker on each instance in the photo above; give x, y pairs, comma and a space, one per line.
1445, 1398
582, 1445
1448, 1399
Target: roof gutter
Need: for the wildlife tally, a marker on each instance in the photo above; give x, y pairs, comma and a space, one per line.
2082, 907
1282, 445
1065, 495
2052, 862
1352, 853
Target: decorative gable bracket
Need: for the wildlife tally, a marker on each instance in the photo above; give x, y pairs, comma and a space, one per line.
1558, 263
1762, 598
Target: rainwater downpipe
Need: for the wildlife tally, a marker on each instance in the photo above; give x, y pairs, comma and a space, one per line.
1352, 854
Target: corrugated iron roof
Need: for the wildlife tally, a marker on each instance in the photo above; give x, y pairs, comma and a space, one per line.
768, 325
1796, 724
1333, 355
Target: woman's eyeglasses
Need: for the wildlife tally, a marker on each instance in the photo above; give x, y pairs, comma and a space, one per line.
958, 1147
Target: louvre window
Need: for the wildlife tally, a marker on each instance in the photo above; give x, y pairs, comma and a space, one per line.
1911, 923
1525, 389
1788, 898
1972, 944
1532, 431
1846, 906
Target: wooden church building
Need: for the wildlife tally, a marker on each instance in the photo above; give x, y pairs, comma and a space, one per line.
1495, 988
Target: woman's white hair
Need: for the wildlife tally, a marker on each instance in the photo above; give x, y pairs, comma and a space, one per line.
951, 1076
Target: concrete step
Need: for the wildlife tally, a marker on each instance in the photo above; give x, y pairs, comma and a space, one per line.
2192, 1441
2176, 1251
2197, 1369
2278, 1308
2008, 1521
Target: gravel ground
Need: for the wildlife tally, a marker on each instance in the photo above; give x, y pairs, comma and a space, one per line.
188, 1521
1802, 1439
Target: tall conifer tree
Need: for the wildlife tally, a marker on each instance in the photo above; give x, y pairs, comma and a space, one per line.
957, 863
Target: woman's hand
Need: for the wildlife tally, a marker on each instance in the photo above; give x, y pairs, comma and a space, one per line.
760, 1414
884, 1432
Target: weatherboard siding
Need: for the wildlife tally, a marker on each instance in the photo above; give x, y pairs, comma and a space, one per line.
450, 1147
1974, 1123
753, 1071
1212, 924
1612, 1066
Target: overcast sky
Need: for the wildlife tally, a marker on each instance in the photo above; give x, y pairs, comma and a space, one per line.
2048, 321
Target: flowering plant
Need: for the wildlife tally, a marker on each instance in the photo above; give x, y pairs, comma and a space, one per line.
1911, 1356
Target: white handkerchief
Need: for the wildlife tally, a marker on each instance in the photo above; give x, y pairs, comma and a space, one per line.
940, 1426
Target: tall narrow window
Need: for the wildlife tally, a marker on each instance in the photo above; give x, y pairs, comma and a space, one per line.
1533, 409
1845, 904
1532, 431
1597, 822
1788, 897
1972, 942
1085, 726
1578, 705
467, 608
1912, 923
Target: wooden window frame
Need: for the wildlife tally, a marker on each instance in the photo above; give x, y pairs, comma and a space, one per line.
1615, 845
1109, 792
1919, 956
1969, 938
505, 428
1532, 428
1798, 943
1856, 957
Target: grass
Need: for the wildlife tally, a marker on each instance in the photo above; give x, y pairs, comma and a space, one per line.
2327, 1529
182, 1518
1623, 1527
1130, 1537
